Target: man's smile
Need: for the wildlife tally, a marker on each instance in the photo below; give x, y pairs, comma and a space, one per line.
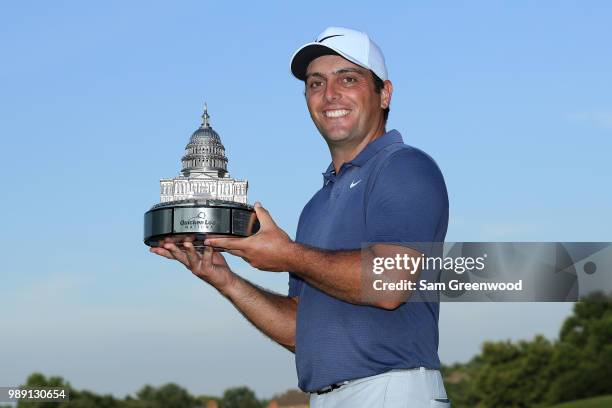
336, 113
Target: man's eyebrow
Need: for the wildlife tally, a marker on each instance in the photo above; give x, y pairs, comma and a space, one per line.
315, 74
336, 72
346, 70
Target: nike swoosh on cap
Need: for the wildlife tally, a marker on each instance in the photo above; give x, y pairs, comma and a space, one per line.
330, 36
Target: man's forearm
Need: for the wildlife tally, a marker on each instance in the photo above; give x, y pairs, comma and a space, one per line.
273, 314
336, 273
346, 275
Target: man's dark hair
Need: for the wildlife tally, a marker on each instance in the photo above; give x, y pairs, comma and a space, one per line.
379, 84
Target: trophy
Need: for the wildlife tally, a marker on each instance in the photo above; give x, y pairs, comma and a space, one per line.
203, 201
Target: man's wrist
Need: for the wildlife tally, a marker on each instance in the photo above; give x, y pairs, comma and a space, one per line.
230, 287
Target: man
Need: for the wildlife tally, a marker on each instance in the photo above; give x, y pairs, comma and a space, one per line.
351, 350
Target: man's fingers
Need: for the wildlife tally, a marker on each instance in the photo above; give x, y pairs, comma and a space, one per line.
162, 252
264, 217
207, 257
217, 258
226, 243
177, 254
192, 255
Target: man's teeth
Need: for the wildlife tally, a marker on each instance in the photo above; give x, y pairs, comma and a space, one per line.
336, 113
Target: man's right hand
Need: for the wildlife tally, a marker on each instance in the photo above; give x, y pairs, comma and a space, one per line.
210, 266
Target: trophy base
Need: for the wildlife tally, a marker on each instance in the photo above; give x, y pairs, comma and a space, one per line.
195, 220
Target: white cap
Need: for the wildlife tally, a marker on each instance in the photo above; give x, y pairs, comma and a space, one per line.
352, 45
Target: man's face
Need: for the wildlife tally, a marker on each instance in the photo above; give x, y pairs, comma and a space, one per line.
342, 100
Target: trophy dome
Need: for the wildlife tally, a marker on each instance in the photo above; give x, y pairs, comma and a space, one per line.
204, 153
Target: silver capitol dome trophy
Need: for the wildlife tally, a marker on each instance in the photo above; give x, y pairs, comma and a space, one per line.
203, 201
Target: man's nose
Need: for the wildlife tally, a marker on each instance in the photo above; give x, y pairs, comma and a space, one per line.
331, 91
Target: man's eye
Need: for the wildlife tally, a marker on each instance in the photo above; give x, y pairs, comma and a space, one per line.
349, 80
315, 84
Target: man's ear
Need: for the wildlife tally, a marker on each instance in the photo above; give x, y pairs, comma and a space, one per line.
385, 94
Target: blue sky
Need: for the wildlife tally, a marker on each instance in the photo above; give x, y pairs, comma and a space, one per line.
97, 102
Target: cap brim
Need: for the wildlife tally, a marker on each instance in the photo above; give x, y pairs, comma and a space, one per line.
305, 55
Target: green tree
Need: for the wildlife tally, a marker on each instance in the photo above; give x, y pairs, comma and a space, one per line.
240, 397
88, 399
513, 374
459, 382
78, 399
583, 354
169, 395
38, 380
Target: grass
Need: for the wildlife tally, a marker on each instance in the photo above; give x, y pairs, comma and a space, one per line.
596, 402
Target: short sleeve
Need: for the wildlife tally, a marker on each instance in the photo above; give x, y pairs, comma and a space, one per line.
407, 202
295, 285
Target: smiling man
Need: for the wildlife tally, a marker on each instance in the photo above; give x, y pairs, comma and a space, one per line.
351, 350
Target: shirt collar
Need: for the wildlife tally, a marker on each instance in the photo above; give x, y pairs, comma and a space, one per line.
392, 136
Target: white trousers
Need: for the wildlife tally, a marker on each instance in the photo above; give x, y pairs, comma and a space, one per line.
415, 388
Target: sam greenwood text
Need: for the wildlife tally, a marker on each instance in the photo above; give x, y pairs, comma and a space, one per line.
454, 284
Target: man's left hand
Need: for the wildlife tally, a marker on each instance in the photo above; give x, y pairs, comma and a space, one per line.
269, 249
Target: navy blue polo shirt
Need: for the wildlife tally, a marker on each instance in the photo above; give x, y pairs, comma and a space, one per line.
390, 192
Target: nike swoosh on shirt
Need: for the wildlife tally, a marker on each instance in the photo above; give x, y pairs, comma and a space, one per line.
353, 183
